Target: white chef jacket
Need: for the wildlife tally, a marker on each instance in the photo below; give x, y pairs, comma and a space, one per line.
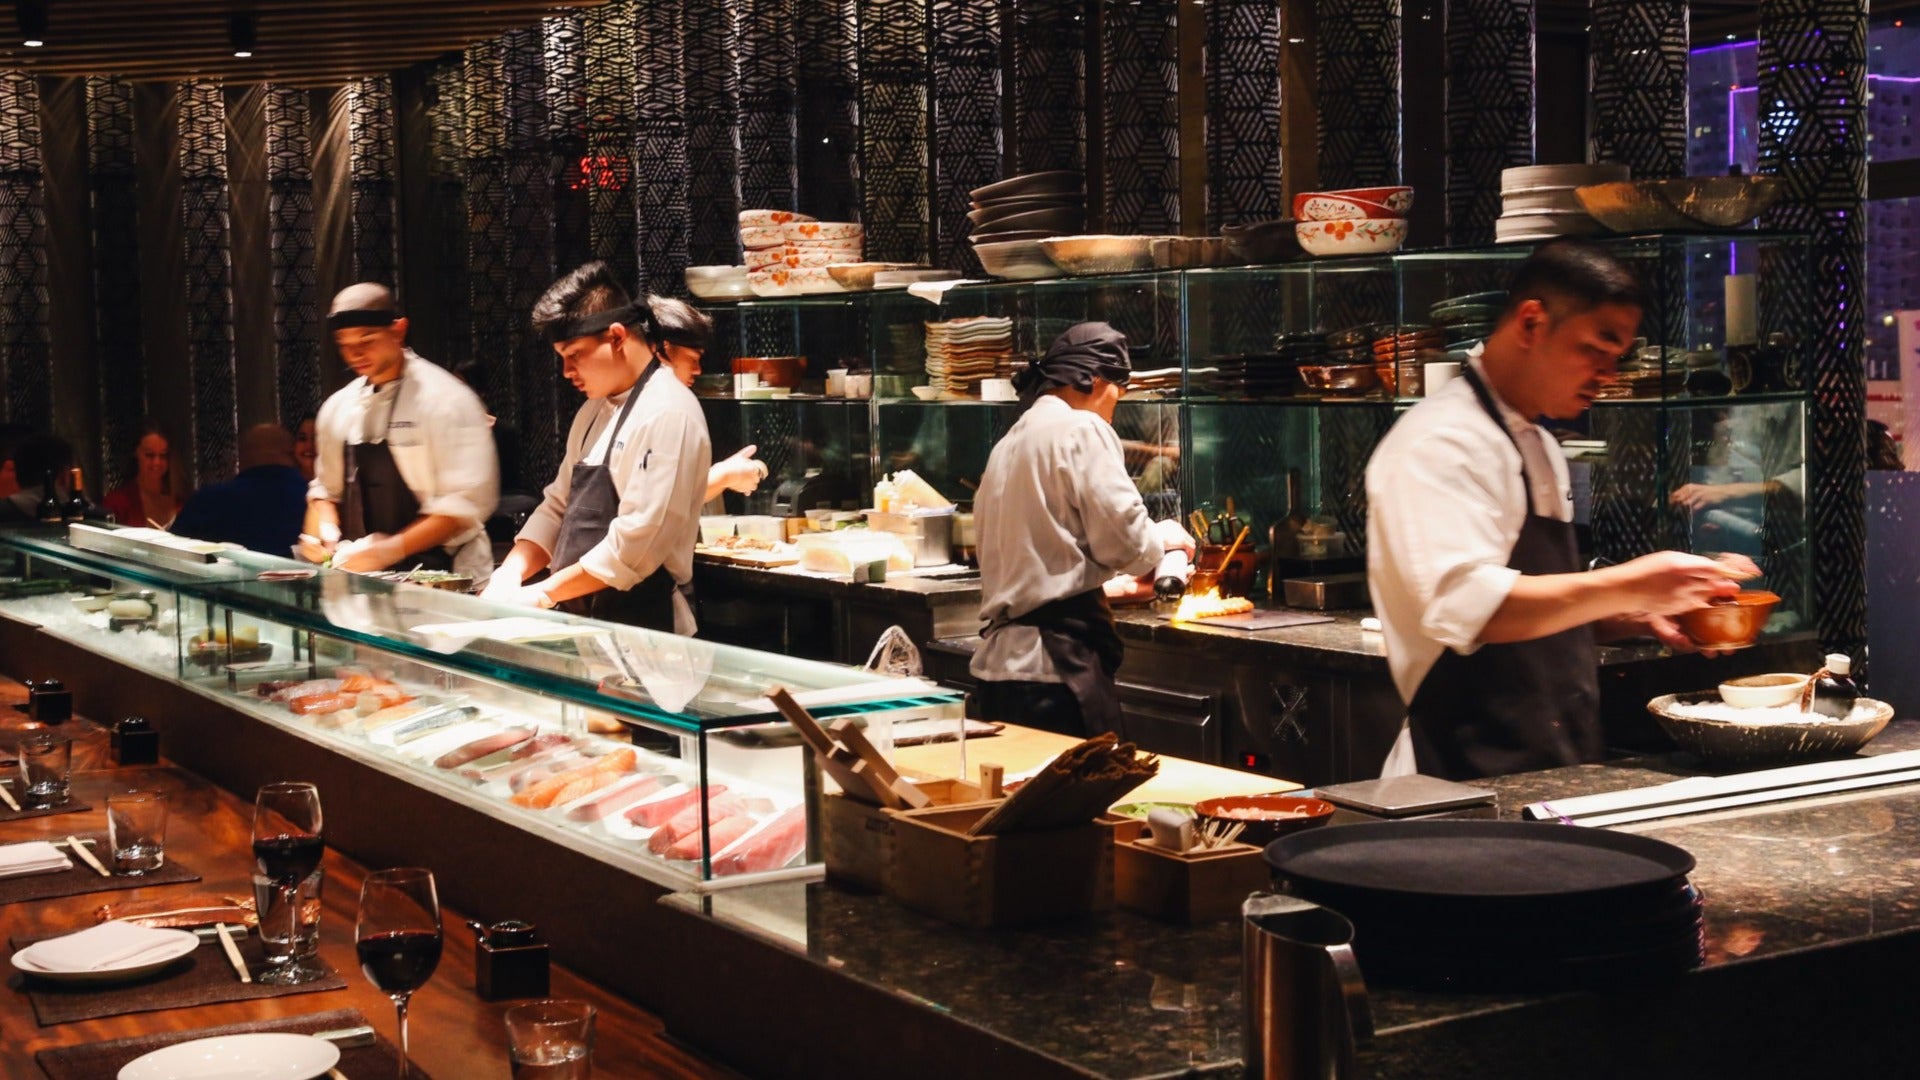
442, 444
659, 462
1445, 506
1055, 516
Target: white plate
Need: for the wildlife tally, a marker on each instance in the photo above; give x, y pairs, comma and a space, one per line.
184, 943
267, 1055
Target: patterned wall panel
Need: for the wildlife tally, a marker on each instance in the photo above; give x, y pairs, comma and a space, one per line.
661, 146
297, 330
446, 100
828, 114
1637, 57
1243, 112
893, 127
712, 112
766, 52
531, 265
1813, 134
1357, 67
24, 351
1490, 48
965, 119
563, 39
607, 171
496, 325
1048, 86
370, 151
1142, 122
209, 314
116, 274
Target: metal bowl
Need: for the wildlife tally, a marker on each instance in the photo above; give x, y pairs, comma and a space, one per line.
1340, 378
1695, 202
1734, 624
1726, 744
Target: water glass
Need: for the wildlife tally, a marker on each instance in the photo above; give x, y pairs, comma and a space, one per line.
270, 902
137, 831
551, 1040
46, 764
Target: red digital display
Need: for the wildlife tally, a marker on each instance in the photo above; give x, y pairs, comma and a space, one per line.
604, 172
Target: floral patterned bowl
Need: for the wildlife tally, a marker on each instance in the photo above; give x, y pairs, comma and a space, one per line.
1335, 205
1362, 236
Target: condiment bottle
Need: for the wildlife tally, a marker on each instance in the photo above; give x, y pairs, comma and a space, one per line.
49, 501
76, 508
50, 702
134, 742
508, 962
1835, 692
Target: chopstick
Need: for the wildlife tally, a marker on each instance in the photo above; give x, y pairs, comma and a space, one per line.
79, 848
233, 952
1225, 562
7, 797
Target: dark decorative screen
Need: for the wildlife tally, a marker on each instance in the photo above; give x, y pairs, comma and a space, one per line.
296, 303
661, 146
447, 141
203, 209
767, 59
1357, 67
1047, 97
371, 155
1638, 59
23, 256
116, 274
893, 127
565, 94
1813, 132
495, 324
827, 123
1490, 46
713, 158
606, 172
531, 265
1243, 112
965, 121
1142, 121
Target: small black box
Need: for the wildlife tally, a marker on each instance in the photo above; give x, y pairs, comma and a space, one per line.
508, 963
134, 742
50, 702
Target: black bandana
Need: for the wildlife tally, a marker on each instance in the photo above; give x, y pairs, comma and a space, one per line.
1085, 352
341, 320
633, 316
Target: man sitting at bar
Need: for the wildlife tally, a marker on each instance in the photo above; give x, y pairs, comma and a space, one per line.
262, 507
1056, 518
39, 460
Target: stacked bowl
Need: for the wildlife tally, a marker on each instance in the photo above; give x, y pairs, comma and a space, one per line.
1537, 202
787, 254
1010, 217
1354, 221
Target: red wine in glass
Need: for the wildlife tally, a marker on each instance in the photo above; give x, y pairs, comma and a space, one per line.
287, 847
288, 858
398, 937
399, 961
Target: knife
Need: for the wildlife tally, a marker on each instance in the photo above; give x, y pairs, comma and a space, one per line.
79, 847
233, 953
7, 797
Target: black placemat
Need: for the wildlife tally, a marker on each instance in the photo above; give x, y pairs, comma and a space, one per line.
71, 806
202, 977
104, 1060
85, 879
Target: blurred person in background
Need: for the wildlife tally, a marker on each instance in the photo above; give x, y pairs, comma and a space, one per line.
154, 495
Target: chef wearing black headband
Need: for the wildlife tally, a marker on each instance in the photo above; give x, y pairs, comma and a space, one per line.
1057, 518
405, 473
617, 525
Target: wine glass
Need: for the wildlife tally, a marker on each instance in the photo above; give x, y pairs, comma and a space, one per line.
286, 848
398, 937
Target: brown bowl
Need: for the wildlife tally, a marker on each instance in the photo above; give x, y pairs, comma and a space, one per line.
1730, 624
1236, 578
1350, 379
773, 370
1293, 813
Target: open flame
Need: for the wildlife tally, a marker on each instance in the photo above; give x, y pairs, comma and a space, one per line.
1206, 605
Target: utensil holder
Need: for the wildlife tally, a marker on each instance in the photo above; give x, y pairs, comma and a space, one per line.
1200, 885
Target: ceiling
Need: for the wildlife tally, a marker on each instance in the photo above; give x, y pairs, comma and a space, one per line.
297, 42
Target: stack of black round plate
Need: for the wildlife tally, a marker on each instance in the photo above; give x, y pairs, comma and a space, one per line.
1500, 905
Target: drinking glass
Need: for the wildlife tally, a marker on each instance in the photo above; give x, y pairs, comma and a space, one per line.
46, 764
398, 937
287, 846
268, 901
551, 1040
137, 831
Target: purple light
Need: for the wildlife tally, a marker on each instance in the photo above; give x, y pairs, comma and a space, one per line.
1728, 45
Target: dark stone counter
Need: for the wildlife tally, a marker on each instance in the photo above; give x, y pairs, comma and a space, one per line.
1804, 901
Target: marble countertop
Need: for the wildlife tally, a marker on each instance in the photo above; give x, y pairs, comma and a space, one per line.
1128, 996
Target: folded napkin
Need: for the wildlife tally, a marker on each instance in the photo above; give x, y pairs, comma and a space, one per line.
32, 857
108, 945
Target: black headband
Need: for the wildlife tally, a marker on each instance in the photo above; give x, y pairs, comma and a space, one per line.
598, 322
341, 320
1085, 352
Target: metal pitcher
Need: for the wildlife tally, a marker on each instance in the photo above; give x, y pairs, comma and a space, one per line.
1304, 1004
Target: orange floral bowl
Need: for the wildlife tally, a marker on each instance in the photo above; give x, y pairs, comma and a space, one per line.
1351, 236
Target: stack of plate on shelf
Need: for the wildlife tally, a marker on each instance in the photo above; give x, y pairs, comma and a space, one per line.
961, 353
1465, 321
1538, 201
1156, 381
1012, 216
787, 254
1397, 357
1498, 906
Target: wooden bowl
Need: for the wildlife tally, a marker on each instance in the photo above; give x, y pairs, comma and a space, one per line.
1294, 814
1734, 624
1349, 379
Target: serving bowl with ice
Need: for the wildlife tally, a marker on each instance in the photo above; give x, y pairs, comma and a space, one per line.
1728, 736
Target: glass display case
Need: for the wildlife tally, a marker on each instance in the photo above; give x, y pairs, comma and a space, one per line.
656, 753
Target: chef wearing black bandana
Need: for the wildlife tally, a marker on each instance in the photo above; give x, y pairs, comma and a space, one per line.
405, 473
1057, 518
617, 525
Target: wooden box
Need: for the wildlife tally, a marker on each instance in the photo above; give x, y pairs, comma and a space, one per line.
856, 837
987, 881
1190, 887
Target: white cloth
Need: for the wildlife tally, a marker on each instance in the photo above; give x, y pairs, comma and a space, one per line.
32, 857
108, 945
659, 462
1446, 504
442, 443
1055, 516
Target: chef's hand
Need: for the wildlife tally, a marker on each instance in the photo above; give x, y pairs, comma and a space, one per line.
1670, 582
1701, 496
534, 596
375, 552
1667, 632
1173, 536
313, 549
1128, 589
501, 586
740, 472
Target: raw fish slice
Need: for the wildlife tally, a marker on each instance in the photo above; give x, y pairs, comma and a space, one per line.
615, 799
770, 846
657, 812
723, 832
481, 747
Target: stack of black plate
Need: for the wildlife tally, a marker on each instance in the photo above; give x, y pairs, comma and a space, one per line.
1500, 905
1468, 319
1354, 345
1254, 375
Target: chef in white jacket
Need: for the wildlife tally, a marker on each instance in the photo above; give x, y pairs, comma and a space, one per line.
617, 526
406, 473
1057, 519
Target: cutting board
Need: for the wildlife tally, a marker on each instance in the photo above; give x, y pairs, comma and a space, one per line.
761, 559
1259, 619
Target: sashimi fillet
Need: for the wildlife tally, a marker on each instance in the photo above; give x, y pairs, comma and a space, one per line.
481, 747
769, 847
719, 834
615, 799
719, 806
657, 812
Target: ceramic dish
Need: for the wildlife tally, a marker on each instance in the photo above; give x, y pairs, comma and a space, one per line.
1368, 237
900, 279
1354, 379
1734, 624
722, 288
1054, 222
860, 275
793, 258
714, 273
1398, 198
265, 1055
1007, 237
762, 236
1334, 206
1016, 260
1267, 817
1725, 744
1700, 202
1528, 177
183, 943
823, 230
1099, 254
758, 218
984, 216
785, 281
1763, 691
1039, 183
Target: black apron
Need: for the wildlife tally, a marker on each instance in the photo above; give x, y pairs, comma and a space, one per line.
378, 499
1079, 637
593, 502
1514, 707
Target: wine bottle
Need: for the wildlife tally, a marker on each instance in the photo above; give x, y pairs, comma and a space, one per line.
49, 501
76, 509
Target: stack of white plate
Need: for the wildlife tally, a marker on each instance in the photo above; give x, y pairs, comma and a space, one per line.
1538, 203
961, 353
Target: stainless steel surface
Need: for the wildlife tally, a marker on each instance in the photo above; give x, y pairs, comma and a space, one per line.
1329, 592
1402, 796
929, 536
1304, 1003
114, 542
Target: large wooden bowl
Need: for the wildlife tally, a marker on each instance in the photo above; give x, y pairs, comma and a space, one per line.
1735, 624
1725, 744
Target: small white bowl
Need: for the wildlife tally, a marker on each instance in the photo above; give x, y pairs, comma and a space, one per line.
925, 393
1763, 691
